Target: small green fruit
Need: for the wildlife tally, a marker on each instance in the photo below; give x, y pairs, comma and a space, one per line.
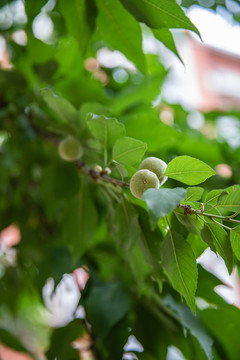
141, 181
157, 166
70, 149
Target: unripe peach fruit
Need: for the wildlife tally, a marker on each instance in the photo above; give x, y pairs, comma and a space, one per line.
157, 166
141, 181
70, 149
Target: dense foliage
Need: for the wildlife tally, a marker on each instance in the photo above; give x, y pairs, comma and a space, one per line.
141, 254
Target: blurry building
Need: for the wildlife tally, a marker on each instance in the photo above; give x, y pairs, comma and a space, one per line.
208, 80
218, 77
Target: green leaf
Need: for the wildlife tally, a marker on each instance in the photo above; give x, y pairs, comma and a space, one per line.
136, 121
165, 36
161, 202
105, 129
32, 8
106, 304
188, 170
191, 222
56, 178
62, 107
193, 194
140, 268
123, 225
149, 242
213, 196
121, 31
79, 16
235, 241
198, 146
148, 330
54, 185
144, 92
230, 200
61, 341
217, 237
80, 221
197, 244
121, 169
179, 263
207, 237
12, 341
174, 223
92, 108
206, 285
128, 151
38, 52
224, 323
57, 261
159, 14
192, 323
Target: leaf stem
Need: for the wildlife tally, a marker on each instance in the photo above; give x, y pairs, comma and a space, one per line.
105, 156
201, 218
218, 223
220, 217
188, 210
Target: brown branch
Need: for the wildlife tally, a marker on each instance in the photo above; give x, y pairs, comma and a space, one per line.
94, 174
99, 175
187, 209
43, 133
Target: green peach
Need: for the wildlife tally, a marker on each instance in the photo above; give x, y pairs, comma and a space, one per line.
157, 166
70, 149
141, 181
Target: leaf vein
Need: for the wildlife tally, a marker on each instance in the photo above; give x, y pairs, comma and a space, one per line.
219, 244
115, 24
127, 152
166, 12
178, 267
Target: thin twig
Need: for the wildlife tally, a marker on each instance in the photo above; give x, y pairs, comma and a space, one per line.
188, 210
218, 223
99, 176
225, 218
234, 215
201, 218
